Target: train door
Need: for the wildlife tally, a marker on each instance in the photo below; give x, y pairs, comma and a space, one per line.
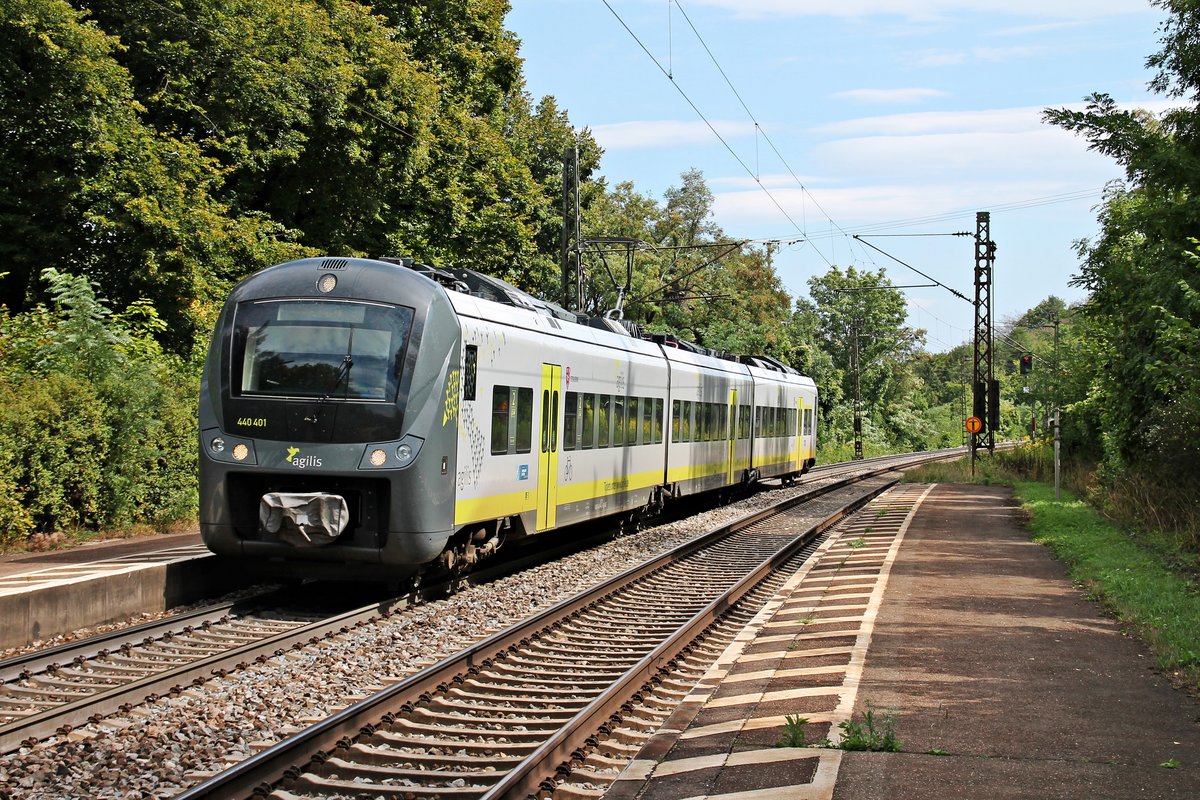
731, 432
548, 456
800, 433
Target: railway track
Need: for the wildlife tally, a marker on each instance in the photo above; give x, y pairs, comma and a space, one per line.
498, 718
49, 692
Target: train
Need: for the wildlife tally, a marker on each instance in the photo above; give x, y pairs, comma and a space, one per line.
376, 418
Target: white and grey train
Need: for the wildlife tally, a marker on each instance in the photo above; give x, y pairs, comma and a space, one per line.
371, 418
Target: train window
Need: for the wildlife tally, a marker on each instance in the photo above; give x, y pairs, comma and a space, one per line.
545, 420
618, 415
658, 420
685, 423
791, 422
470, 370
500, 402
569, 410
723, 429
633, 408
758, 420
647, 420
676, 416
808, 421
587, 428
710, 422
743, 422
524, 417
319, 348
603, 420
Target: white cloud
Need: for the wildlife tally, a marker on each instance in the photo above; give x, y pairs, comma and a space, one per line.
931, 9
997, 120
992, 55
891, 96
639, 134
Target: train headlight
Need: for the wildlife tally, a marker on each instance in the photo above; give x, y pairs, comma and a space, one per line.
378, 455
240, 451
217, 445
327, 283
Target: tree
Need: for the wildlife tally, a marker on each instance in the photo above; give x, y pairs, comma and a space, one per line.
92, 189
862, 321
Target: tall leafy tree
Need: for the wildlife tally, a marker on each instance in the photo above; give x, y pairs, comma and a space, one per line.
1140, 277
95, 190
861, 321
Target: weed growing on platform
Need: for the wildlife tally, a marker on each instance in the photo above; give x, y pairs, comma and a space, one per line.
1171, 764
859, 542
793, 731
874, 732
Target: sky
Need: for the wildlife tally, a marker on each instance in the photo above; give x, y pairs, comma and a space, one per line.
817, 120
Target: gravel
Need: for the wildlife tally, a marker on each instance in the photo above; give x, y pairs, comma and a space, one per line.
159, 749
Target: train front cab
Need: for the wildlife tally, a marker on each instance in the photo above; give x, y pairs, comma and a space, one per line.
331, 381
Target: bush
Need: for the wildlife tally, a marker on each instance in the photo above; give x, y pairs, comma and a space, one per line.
55, 441
97, 425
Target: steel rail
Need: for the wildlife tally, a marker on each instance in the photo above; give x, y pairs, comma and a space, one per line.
107, 701
259, 773
22, 666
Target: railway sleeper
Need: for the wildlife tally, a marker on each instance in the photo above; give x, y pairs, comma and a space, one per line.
498, 714
449, 735
598, 655
501, 723
524, 681
585, 642
425, 777
538, 700
565, 669
326, 787
407, 739
492, 708
369, 754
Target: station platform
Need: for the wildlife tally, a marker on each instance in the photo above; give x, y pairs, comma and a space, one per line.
46, 594
1001, 679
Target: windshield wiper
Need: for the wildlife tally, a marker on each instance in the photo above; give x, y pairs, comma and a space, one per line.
342, 375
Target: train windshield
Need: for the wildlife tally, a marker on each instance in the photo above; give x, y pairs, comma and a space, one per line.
319, 348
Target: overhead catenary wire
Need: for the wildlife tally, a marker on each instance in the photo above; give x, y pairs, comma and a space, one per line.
687, 98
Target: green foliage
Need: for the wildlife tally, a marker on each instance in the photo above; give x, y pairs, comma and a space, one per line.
793, 731
873, 732
55, 441
93, 187
1136, 390
96, 424
1145, 593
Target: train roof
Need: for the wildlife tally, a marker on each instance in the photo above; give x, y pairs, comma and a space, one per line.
486, 287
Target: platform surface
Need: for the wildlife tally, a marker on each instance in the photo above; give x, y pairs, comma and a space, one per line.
1004, 679
48, 594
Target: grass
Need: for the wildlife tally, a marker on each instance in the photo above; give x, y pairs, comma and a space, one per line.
1158, 604
1147, 584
